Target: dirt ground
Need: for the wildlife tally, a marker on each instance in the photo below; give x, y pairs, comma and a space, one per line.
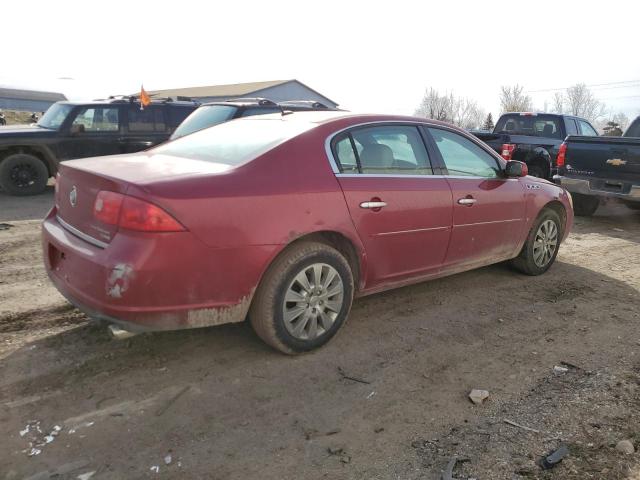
217, 403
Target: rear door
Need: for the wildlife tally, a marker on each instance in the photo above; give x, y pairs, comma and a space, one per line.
145, 128
93, 131
488, 209
401, 210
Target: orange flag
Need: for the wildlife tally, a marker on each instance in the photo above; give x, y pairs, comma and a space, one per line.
145, 99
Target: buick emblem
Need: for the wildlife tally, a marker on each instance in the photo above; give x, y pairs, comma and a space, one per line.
73, 196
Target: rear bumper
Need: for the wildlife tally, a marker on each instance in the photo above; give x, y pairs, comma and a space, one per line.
627, 191
153, 281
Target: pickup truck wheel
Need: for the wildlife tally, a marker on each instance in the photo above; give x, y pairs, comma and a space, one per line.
541, 247
23, 174
537, 171
303, 299
584, 205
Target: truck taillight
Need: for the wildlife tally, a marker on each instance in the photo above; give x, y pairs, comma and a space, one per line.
562, 154
507, 150
132, 213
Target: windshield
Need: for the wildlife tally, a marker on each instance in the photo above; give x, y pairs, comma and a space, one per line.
55, 115
235, 142
634, 129
204, 117
533, 125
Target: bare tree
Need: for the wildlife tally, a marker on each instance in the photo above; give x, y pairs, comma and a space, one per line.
513, 99
558, 102
582, 103
435, 106
462, 112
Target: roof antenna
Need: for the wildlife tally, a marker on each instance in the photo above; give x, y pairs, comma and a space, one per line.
285, 112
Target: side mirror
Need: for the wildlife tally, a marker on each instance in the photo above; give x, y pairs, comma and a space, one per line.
516, 169
77, 128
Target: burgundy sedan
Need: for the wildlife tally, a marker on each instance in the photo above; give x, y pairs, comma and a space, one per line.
284, 219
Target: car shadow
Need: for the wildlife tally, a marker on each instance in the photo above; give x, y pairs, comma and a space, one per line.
232, 379
612, 219
32, 207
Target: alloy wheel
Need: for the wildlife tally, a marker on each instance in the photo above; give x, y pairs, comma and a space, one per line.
545, 243
313, 301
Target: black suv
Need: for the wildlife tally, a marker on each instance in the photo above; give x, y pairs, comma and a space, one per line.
210, 114
29, 154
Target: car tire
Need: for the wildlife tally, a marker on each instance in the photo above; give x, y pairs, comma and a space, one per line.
584, 205
536, 170
546, 230
23, 174
633, 205
294, 318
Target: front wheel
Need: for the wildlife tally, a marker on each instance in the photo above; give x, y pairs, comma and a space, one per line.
541, 247
303, 299
23, 174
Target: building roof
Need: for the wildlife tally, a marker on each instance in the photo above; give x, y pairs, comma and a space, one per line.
37, 95
228, 91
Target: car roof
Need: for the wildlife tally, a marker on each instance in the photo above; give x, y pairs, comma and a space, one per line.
175, 103
322, 117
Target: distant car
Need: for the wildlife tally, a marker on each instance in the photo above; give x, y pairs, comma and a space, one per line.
287, 218
596, 168
29, 155
213, 113
534, 138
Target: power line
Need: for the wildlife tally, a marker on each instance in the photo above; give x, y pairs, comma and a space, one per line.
590, 85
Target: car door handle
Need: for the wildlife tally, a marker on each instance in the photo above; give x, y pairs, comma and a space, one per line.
379, 204
469, 202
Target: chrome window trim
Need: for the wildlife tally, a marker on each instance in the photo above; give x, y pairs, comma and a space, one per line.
82, 235
426, 124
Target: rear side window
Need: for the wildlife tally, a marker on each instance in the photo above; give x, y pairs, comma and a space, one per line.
462, 157
384, 149
147, 120
586, 129
572, 129
97, 119
533, 125
234, 143
251, 111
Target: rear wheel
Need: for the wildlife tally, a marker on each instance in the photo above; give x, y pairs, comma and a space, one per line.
23, 174
303, 299
584, 205
541, 248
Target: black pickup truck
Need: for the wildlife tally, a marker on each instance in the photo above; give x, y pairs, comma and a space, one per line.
29, 154
593, 169
534, 138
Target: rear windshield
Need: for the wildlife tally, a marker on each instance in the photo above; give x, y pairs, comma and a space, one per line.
204, 117
234, 142
534, 125
55, 115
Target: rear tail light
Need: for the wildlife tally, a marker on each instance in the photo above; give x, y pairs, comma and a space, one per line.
562, 154
507, 150
132, 213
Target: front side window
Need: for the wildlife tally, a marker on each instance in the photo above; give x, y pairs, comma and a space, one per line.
384, 149
102, 119
462, 157
586, 129
147, 120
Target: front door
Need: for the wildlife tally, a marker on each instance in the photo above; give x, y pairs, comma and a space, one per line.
401, 211
93, 132
488, 208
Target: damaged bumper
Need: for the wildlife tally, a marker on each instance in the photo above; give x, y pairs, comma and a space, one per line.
161, 282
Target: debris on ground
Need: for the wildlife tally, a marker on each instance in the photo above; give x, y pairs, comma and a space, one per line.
478, 396
86, 476
37, 438
167, 459
5, 226
554, 458
155, 469
352, 378
559, 369
523, 427
625, 446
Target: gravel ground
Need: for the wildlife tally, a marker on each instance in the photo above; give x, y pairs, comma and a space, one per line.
217, 403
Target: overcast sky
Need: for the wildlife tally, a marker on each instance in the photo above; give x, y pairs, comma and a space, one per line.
365, 55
